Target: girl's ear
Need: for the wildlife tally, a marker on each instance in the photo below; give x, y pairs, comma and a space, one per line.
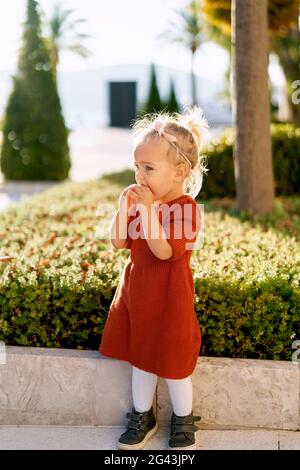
181, 171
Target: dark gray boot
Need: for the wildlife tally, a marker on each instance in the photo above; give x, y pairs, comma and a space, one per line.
140, 428
182, 435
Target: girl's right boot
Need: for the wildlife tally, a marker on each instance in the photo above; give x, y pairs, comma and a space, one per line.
140, 428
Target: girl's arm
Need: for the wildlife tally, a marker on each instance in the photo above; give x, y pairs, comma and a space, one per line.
155, 234
118, 229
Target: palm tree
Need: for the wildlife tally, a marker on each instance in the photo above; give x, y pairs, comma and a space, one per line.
189, 34
284, 38
251, 106
251, 24
63, 35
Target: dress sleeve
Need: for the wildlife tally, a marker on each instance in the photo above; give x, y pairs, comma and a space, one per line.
182, 227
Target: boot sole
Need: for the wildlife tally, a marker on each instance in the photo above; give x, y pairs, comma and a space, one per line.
191, 447
139, 445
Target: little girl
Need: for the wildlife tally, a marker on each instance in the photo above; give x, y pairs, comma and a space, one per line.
152, 323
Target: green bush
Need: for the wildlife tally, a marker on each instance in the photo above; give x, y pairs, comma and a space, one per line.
220, 181
58, 277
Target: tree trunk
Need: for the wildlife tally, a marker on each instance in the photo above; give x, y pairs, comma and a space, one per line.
193, 78
56, 60
251, 107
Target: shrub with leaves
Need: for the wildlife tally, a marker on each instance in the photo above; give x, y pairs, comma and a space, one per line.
220, 181
59, 272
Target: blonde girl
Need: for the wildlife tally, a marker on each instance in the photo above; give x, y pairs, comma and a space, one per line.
152, 323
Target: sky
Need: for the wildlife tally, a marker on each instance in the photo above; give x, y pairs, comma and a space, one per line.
122, 31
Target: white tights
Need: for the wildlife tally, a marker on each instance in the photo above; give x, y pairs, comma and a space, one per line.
144, 387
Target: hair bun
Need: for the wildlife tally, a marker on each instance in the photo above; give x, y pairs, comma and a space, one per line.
193, 119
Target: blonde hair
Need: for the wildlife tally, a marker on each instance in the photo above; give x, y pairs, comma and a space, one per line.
189, 129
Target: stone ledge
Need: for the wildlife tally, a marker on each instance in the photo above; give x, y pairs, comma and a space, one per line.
44, 386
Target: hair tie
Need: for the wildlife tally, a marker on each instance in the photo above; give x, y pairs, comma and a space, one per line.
172, 139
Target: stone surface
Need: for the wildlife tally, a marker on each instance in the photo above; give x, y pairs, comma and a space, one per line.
40, 386
242, 392
237, 440
63, 387
105, 438
112, 387
289, 440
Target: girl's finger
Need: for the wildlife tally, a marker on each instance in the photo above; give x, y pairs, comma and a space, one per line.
132, 194
135, 193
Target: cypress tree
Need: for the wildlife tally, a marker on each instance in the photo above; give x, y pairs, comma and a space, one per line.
172, 103
153, 102
35, 137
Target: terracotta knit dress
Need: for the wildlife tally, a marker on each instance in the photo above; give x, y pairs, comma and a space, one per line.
151, 322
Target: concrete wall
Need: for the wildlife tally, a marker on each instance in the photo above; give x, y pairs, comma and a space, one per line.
71, 387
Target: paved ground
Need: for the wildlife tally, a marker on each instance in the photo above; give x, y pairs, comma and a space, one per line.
98, 151
104, 438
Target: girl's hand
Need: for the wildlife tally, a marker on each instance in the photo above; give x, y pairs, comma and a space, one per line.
141, 195
126, 201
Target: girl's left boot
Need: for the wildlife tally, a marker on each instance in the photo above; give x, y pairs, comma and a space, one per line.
182, 435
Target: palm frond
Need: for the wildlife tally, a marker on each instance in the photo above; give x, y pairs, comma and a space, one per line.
63, 34
80, 50
82, 35
58, 12
187, 29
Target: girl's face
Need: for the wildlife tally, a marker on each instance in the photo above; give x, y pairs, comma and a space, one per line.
153, 169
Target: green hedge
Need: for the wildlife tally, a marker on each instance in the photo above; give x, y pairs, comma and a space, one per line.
56, 289
220, 182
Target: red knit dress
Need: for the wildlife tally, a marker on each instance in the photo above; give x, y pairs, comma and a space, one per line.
151, 322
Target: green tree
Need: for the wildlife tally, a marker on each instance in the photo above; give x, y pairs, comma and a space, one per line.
153, 102
189, 33
35, 138
251, 107
250, 23
171, 103
282, 14
284, 38
62, 35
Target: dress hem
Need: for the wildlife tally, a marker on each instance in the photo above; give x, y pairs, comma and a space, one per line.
152, 371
